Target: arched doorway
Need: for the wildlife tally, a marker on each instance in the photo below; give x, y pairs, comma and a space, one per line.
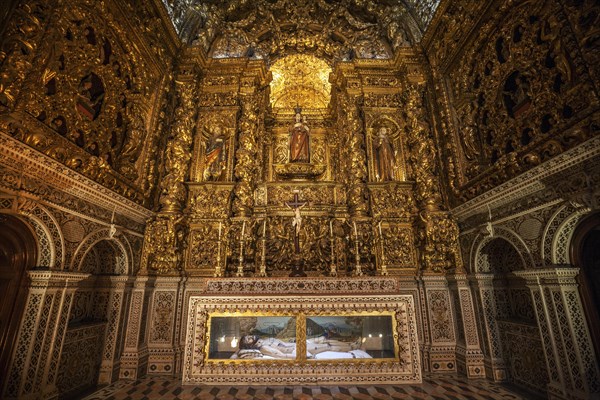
585, 254
18, 252
94, 338
512, 345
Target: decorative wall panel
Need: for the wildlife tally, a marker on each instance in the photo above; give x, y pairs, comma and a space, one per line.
523, 349
80, 359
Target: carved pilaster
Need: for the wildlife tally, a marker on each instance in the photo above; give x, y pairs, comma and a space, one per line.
34, 366
115, 291
135, 351
488, 312
570, 358
469, 356
440, 340
164, 304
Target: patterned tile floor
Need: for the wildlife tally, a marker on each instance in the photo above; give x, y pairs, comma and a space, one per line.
433, 387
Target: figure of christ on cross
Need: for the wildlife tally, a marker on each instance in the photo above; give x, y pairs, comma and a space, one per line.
296, 205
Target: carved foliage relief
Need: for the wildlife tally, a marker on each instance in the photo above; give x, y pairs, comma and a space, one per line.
87, 97
18, 46
522, 92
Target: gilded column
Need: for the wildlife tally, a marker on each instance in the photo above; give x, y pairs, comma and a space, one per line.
179, 147
163, 247
246, 157
352, 128
437, 230
422, 151
247, 171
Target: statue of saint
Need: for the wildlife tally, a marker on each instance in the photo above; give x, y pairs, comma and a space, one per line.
384, 157
215, 158
90, 98
469, 137
299, 140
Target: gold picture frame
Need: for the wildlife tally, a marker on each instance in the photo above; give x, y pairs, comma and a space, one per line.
240, 337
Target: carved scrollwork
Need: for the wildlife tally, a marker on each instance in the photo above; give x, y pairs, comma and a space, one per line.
18, 47
177, 157
164, 243
520, 91
438, 237
86, 101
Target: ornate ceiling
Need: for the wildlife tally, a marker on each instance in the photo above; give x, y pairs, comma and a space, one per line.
329, 29
300, 80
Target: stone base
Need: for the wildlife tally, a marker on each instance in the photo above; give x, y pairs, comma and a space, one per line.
496, 370
109, 372
161, 362
133, 365
440, 359
470, 362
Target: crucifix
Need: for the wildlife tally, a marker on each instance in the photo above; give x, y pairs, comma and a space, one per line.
296, 205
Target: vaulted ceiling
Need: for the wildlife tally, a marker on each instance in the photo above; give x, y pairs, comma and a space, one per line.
329, 29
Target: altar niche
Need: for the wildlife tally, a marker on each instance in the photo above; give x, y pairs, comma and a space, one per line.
301, 339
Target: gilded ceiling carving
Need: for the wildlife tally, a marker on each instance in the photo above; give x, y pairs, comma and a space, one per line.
267, 29
300, 80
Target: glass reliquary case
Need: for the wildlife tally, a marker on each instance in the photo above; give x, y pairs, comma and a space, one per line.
242, 337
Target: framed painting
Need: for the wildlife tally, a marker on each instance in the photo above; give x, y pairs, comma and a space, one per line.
251, 337
351, 336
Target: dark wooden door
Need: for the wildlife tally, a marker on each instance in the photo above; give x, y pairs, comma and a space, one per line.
17, 254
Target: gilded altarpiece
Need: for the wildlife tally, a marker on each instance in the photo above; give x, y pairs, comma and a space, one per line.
362, 200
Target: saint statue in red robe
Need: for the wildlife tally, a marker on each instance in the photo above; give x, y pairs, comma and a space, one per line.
299, 140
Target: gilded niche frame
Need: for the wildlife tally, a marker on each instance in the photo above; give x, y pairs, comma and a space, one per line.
234, 337
229, 299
